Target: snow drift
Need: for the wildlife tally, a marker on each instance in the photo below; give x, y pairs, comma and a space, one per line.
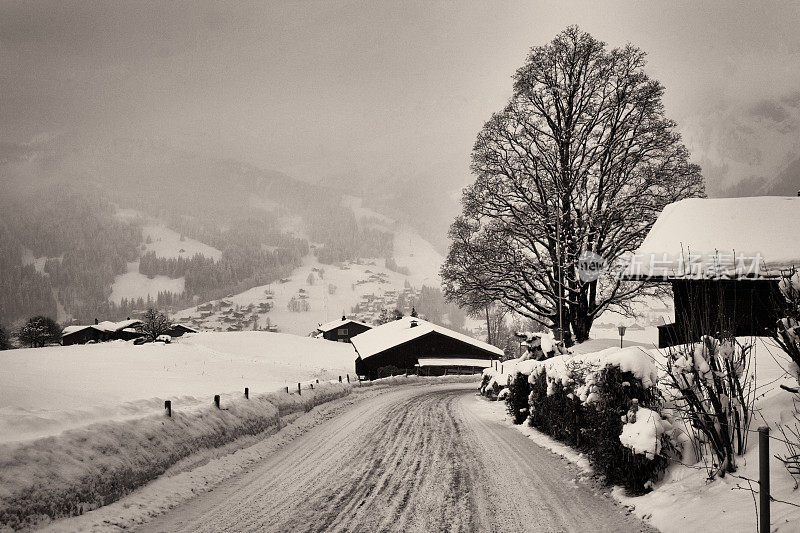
48, 390
85, 468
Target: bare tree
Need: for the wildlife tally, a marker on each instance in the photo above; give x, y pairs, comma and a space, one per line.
581, 160
155, 323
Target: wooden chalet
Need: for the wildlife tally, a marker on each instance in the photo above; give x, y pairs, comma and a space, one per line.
724, 259
101, 331
342, 330
413, 345
178, 330
81, 335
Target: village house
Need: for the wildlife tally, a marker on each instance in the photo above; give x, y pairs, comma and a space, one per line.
178, 330
101, 331
342, 330
414, 345
724, 258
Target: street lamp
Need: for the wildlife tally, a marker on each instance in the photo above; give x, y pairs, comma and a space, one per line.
621, 334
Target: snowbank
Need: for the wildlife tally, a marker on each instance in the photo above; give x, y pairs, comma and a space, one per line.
684, 500
85, 468
47, 390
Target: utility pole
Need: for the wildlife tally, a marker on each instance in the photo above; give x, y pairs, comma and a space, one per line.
488, 326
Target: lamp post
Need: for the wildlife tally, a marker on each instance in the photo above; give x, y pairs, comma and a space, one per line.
621, 334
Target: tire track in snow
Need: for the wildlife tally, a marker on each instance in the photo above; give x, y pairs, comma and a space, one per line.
415, 459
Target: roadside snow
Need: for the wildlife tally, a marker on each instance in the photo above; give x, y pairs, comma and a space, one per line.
44, 391
684, 500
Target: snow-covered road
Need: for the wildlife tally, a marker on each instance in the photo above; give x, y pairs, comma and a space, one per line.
412, 459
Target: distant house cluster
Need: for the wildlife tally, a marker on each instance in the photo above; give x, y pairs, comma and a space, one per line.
124, 330
224, 315
369, 309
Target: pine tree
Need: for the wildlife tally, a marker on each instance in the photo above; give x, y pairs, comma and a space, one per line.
4, 342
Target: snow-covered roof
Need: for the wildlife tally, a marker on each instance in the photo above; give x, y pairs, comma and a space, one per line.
720, 238
451, 361
188, 329
74, 329
400, 331
105, 325
124, 324
335, 324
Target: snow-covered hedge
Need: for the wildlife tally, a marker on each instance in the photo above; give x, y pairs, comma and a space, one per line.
82, 469
592, 401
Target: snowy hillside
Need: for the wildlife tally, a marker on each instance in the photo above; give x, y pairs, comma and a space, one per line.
164, 242
334, 288
57, 388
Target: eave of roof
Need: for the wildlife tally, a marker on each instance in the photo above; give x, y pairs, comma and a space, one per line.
399, 332
329, 326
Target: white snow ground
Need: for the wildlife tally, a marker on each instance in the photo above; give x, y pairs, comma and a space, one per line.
47, 390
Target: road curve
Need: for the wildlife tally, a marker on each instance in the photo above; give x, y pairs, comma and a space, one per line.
413, 459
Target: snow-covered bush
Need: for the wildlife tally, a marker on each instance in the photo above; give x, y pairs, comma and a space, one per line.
711, 388
517, 398
790, 430
787, 331
494, 380
539, 345
583, 400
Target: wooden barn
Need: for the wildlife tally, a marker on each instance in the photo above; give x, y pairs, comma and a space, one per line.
178, 330
103, 331
724, 259
413, 345
342, 330
81, 335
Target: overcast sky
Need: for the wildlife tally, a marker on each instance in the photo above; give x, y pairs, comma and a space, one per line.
385, 89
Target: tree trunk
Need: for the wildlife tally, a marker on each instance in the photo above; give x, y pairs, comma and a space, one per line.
581, 325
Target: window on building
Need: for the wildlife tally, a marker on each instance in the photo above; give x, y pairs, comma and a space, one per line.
343, 331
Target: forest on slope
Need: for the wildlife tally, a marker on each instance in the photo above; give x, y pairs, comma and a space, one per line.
69, 217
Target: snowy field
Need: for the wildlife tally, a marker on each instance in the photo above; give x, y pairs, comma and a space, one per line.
48, 390
165, 242
133, 285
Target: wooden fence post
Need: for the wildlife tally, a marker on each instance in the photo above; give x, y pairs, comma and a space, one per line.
247, 393
216, 400
340, 379
168, 407
348, 378
312, 386
287, 389
763, 478
298, 390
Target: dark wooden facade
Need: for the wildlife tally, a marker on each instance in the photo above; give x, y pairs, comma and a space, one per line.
404, 357
82, 336
743, 307
345, 332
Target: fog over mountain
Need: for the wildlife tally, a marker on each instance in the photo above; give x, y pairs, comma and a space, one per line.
232, 124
